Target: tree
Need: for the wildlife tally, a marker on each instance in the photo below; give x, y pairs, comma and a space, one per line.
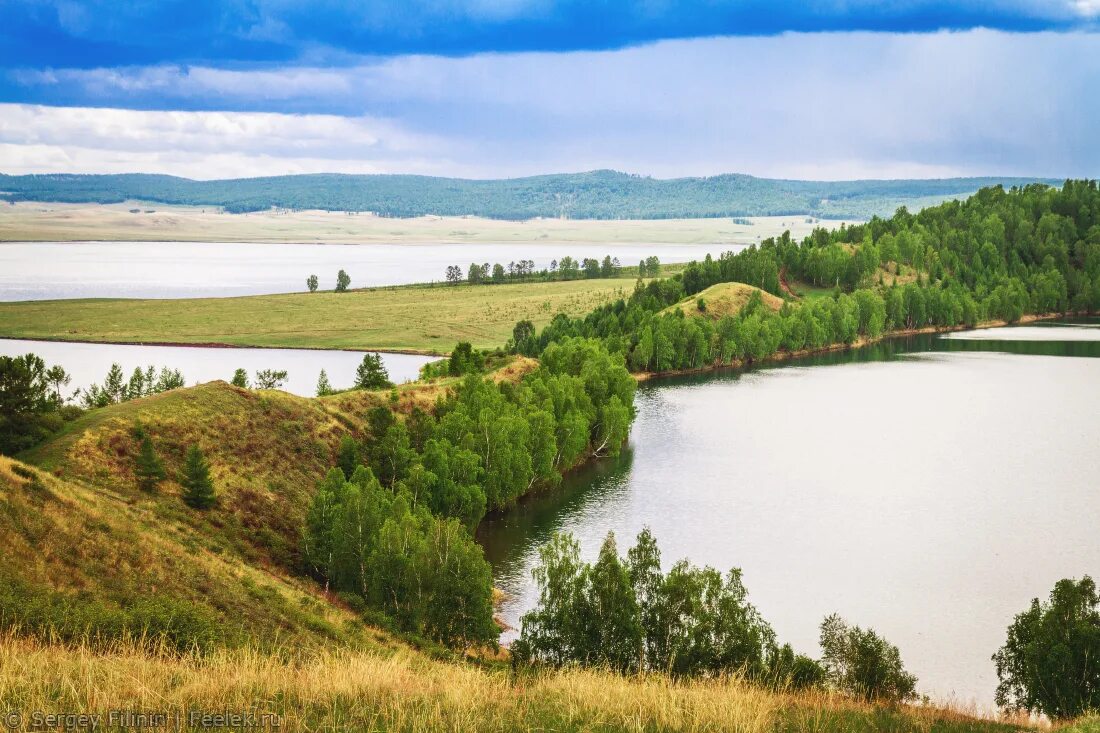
371, 373
57, 377
347, 456
324, 387
498, 273
311, 283
610, 612
463, 360
862, 663
343, 280
454, 274
1050, 662
474, 274
607, 269
653, 266
270, 378
240, 379
198, 489
28, 412
523, 333
148, 467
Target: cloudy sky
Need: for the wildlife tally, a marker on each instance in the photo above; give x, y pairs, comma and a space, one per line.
825, 89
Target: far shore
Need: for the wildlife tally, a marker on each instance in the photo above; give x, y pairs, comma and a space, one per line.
144, 222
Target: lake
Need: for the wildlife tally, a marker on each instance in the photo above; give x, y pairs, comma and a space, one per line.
88, 363
55, 270
928, 488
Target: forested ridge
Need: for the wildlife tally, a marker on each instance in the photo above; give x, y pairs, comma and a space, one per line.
997, 256
593, 195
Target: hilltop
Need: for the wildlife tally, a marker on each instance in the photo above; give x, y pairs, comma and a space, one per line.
600, 194
724, 299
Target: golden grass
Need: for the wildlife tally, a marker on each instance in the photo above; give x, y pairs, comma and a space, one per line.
36, 221
412, 318
724, 299
341, 689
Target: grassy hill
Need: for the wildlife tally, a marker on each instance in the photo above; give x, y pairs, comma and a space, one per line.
592, 195
724, 299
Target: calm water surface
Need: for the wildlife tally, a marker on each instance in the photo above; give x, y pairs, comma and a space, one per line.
54, 270
928, 488
88, 363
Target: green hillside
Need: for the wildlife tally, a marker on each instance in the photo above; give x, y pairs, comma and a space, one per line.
592, 195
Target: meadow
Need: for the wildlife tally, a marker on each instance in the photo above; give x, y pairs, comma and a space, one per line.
429, 319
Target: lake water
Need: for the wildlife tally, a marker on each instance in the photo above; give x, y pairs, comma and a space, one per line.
928, 488
88, 363
55, 270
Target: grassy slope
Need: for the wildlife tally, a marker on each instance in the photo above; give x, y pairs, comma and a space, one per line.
414, 318
114, 548
724, 299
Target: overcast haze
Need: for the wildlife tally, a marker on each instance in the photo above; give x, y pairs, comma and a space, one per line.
485, 89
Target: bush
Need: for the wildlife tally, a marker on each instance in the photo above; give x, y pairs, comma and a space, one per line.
862, 663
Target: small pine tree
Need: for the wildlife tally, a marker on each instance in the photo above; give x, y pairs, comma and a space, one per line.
240, 379
147, 466
371, 373
198, 489
324, 387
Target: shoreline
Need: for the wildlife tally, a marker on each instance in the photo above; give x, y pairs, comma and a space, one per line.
859, 343
219, 345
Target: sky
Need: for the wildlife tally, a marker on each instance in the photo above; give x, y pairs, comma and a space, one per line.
817, 89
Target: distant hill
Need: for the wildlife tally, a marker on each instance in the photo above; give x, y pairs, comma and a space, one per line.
593, 195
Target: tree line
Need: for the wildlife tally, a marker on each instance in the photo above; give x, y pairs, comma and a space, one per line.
601, 194
414, 486
567, 268
630, 616
999, 255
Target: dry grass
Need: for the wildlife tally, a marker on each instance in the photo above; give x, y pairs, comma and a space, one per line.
404, 691
724, 299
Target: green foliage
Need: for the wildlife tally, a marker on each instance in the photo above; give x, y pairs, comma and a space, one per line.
689, 622
425, 572
371, 373
155, 620
999, 255
240, 379
1050, 663
270, 378
198, 488
465, 359
324, 387
148, 467
116, 388
29, 410
862, 663
348, 456
343, 280
311, 283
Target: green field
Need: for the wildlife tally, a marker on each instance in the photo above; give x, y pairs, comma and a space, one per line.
410, 318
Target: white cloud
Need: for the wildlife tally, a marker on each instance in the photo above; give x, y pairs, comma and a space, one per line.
35, 138
833, 106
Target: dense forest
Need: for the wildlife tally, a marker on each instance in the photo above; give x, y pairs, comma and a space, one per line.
592, 195
997, 256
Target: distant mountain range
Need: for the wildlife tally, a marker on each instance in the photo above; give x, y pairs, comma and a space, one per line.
593, 195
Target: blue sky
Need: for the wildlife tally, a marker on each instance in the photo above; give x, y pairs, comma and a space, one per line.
486, 88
